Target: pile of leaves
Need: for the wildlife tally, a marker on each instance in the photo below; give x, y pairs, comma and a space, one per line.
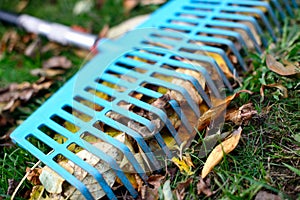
53, 185
279, 74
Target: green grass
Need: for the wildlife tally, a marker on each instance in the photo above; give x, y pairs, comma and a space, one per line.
268, 155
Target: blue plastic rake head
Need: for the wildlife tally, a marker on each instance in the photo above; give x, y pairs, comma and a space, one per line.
177, 36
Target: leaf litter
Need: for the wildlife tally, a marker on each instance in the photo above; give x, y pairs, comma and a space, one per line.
238, 117
54, 185
218, 152
15, 94
279, 68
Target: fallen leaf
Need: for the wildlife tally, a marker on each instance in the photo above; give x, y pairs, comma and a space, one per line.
279, 68
262, 195
274, 85
46, 72
33, 175
188, 86
57, 62
202, 187
34, 48
181, 187
167, 191
15, 94
216, 111
51, 181
37, 193
221, 64
188, 160
151, 192
183, 165
217, 154
83, 6
10, 40
12, 184
242, 115
87, 179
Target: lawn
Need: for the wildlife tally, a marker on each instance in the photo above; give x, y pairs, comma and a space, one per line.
267, 157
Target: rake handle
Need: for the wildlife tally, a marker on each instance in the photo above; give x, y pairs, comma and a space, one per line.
53, 31
9, 18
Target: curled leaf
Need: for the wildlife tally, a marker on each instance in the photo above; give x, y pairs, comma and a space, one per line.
279, 68
217, 111
184, 165
217, 154
282, 89
241, 115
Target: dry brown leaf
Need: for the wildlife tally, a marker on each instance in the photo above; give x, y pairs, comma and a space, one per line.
151, 192
279, 68
12, 184
33, 175
217, 154
10, 40
57, 62
202, 187
217, 110
15, 94
100, 165
262, 195
180, 189
241, 115
283, 89
46, 72
188, 86
33, 48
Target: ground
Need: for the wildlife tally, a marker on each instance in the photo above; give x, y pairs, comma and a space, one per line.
267, 157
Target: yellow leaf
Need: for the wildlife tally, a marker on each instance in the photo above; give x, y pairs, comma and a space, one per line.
37, 192
71, 127
182, 165
221, 63
188, 160
170, 142
59, 138
217, 154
